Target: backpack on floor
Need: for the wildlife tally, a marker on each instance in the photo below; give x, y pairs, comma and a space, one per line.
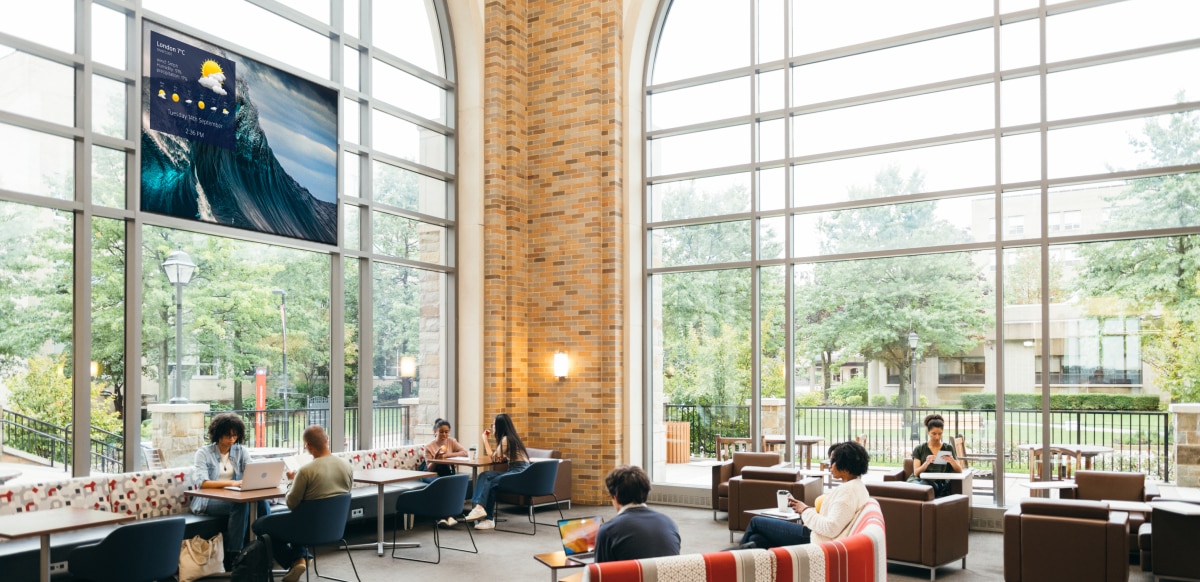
254, 562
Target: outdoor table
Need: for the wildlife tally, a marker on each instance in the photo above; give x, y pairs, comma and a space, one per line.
807, 441
556, 561
381, 477
251, 497
49, 521
1088, 452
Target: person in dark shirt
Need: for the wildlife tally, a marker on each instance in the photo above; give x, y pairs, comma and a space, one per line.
637, 531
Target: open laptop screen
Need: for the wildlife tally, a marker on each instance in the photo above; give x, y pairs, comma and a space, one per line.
579, 535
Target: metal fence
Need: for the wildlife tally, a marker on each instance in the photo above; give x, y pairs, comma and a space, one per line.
283, 428
1140, 441
52, 443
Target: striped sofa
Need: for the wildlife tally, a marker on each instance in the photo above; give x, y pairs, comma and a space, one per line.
859, 557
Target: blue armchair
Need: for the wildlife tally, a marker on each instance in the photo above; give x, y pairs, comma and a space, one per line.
535, 481
142, 551
443, 497
315, 522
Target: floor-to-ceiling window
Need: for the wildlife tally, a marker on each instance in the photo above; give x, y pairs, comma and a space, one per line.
340, 319
929, 204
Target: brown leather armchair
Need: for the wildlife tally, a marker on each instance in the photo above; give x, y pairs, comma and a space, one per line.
957, 487
562, 483
723, 472
923, 531
756, 488
1168, 544
1115, 486
1065, 540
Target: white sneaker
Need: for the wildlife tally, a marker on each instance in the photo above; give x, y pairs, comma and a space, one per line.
485, 524
448, 522
477, 513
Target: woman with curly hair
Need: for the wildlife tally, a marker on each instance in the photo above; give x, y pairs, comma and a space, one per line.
221, 464
848, 462
935, 456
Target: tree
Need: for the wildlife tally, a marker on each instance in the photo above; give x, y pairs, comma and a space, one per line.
1159, 278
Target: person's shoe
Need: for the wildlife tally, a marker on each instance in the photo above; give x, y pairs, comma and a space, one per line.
477, 513
448, 522
296, 571
485, 524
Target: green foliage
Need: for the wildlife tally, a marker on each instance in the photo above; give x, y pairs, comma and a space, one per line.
809, 399
45, 393
879, 400
1033, 401
852, 392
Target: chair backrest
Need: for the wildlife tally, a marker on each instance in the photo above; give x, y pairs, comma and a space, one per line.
444, 496
861, 439
743, 460
1113, 485
142, 550
317, 522
535, 481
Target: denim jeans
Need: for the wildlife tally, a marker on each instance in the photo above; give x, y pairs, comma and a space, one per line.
239, 520
485, 486
768, 532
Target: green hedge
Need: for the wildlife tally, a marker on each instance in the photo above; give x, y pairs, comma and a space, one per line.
1033, 401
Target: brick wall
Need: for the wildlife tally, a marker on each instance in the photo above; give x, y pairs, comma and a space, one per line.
552, 227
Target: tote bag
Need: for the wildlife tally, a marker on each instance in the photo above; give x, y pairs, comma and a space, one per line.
199, 557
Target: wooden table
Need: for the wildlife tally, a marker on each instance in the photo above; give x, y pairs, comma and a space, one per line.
557, 561
807, 441
380, 478
251, 497
474, 464
1042, 488
1087, 452
50, 521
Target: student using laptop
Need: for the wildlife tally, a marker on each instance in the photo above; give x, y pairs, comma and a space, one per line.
579, 537
221, 463
637, 531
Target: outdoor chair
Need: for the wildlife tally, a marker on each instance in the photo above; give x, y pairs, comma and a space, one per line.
443, 497
535, 481
1063, 464
315, 522
142, 551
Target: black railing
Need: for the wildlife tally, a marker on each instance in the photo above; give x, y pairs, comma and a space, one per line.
285, 428
53, 443
107, 451
1140, 441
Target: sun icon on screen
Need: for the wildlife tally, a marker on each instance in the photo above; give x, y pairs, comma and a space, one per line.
209, 67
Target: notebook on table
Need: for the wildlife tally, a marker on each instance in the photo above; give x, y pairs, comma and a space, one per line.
260, 475
579, 537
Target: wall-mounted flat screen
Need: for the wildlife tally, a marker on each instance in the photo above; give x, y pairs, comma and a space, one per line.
232, 141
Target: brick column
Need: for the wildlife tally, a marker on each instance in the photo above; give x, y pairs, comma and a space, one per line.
1186, 420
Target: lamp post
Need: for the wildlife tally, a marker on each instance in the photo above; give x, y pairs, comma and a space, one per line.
283, 387
408, 371
179, 269
912, 380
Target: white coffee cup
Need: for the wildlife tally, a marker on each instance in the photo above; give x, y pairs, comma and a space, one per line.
782, 497
471, 453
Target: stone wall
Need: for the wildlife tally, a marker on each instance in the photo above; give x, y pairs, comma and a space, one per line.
1186, 421
178, 430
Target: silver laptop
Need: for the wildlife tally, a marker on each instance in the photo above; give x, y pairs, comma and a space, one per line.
579, 537
260, 475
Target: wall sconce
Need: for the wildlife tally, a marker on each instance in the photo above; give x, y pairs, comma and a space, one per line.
561, 364
95, 368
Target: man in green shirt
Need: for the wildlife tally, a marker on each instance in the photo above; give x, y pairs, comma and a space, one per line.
325, 476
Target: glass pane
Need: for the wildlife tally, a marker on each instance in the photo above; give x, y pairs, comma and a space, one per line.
896, 226
721, 100
108, 106
721, 242
772, 192
1149, 82
715, 196
1121, 145
1119, 26
350, 222
351, 121
350, 64
51, 98
408, 190
1138, 204
772, 352
350, 16
410, 31
391, 85
108, 345
771, 140
904, 66
715, 148
818, 26
350, 272
405, 140
37, 342
1020, 101
686, 48
770, 90
930, 169
37, 163
1007, 6
318, 9
51, 24
351, 174
108, 36
771, 24
1019, 44
1022, 215
109, 173
771, 238
1021, 157
407, 239
910, 118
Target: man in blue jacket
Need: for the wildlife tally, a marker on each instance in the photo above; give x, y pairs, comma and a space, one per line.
638, 531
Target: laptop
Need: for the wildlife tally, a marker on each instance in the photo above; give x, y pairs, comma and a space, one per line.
261, 475
579, 537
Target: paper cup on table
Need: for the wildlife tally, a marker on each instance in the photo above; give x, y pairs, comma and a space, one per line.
782, 497
471, 453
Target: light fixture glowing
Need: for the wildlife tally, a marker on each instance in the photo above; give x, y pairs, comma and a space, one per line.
408, 367
561, 365
1028, 343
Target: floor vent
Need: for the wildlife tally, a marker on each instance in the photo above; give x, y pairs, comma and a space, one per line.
685, 496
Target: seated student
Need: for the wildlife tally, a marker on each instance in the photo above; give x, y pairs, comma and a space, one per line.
508, 448
926, 455
638, 531
442, 447
848, 462
221, 464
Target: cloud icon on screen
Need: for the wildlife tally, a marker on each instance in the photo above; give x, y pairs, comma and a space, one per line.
214, 82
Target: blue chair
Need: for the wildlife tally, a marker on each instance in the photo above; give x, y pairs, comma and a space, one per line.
536, 481
315, 522
443, 497
142, 551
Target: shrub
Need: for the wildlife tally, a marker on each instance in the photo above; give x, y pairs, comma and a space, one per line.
1033, 401
809, 398
853, 389
879, 400
853, 400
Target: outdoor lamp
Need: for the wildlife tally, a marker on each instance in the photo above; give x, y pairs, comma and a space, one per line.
179, 269
912, 380
561, 364
408, 370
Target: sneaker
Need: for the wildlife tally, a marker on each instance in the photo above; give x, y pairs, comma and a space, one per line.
296, 571
477, 513
485, 524
448, 522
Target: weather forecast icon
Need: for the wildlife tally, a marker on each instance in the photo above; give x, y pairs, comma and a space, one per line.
212, 77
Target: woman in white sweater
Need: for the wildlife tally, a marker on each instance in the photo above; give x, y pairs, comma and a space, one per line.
848, 462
